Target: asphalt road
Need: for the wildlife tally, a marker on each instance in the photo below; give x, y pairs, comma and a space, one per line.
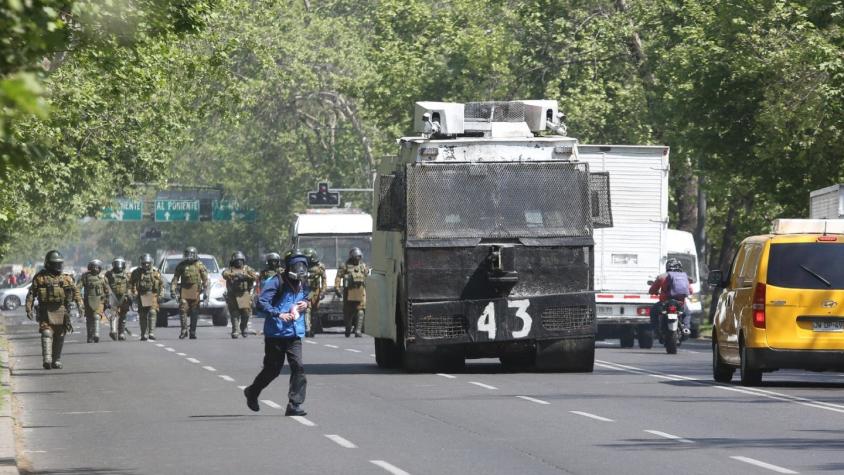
175, 406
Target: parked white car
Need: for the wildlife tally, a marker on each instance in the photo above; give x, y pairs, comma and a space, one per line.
216, 303
14, 297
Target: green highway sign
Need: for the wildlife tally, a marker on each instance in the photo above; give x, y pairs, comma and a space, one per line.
230, 210
128, 210
176, 210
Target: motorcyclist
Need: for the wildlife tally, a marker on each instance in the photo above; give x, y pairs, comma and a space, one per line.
663, 287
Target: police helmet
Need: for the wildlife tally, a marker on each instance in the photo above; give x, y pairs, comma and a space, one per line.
355, 252
238, 259
273, 260
673, 265
190, 253
54, 262
95, 266
146, 262
313, 257
118, 264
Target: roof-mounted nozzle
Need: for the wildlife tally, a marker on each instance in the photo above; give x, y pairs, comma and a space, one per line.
438, 119
544, 115
432, 127
556, 124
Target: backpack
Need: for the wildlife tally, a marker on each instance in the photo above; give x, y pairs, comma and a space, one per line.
678, 285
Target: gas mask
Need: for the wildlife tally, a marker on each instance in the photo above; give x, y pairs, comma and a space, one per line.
299, 271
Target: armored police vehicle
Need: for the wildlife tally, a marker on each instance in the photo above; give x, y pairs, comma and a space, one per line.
482, 243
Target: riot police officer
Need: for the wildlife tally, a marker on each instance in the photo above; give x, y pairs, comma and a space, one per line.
273, 262
191, 277
55, 292
317, 283
95, 294
145, 285
118, 282
353, 274
240, 279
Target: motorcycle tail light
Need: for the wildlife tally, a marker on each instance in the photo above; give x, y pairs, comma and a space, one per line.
672, 309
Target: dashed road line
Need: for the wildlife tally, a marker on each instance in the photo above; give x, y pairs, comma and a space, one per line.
761, 464
181, 354
666, 435
592, 416
226, 378
533, 399
330, 346
160, 345
241, 387
209, 368
389, 467
311, 342
485, 386
302, 420
341, 441
448, 376
272, 404
170, 349
73, 413
192, 360
353, 350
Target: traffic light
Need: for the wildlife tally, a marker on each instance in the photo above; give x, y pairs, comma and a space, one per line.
323, 196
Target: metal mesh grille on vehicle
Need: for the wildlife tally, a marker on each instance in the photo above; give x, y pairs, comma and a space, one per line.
494, 111
498, 200
567, 318
599, 186
391, 202
440, 326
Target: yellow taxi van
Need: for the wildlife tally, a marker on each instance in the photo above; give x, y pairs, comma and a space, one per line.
781, 303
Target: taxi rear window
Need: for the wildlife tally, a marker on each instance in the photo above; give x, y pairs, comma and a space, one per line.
813, 265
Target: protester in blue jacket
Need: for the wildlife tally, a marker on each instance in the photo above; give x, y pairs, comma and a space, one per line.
282, 303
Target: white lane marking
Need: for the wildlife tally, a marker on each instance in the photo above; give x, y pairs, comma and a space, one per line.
533, 399
331, 346
210, 368
303, 421
82, 412
311, 342
170, 349
353, 350
762, 464
181, 354
485, 386
192, 360
666, 435
592, 416
372, 355
160, 345
745, 390
227, 378
271, 404
448, 376
35, 451
241, 387
341, 441
389, 467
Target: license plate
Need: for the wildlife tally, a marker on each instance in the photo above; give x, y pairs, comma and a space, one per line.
672, 316
828, 326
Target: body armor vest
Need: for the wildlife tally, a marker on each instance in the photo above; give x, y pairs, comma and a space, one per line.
119, 283
190, 276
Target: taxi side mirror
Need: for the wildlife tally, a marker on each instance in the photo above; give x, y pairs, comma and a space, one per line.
716, 278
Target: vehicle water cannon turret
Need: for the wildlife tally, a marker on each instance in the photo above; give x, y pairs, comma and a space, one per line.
491, 119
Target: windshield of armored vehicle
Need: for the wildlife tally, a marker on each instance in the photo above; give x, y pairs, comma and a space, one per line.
498, 200
334, 250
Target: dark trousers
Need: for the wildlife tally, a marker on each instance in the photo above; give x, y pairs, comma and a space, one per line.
275, 350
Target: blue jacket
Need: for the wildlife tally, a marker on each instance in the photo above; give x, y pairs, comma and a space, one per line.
279, 295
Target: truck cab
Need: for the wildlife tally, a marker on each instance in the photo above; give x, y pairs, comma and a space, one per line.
482, 245
680, 245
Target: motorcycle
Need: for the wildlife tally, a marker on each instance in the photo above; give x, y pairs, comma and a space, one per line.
671, 325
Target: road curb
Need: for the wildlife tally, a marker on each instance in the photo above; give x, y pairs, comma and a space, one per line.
8, 459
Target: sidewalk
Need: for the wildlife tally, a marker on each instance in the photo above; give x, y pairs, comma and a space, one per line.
8, 462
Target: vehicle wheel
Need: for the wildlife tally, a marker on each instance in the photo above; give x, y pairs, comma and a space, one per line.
694, 331
720, 371
748, 376
161, 318
418, 362
220, 317
387, 354
646, 337
671, 343
451, 360
577, 356
627, 338
11, 302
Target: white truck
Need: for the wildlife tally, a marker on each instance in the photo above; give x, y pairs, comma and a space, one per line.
633, 251
827, 203
681, 246
332, 232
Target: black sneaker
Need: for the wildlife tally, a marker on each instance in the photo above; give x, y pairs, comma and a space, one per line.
251, 399
56, 365
183, 335
234, 336
96, 339
143, 338
243, 334
151, 337
46, 365
193, 336
113, 336
294, 411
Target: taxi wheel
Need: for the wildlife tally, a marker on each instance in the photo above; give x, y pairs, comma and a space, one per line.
720, 371
749, 376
